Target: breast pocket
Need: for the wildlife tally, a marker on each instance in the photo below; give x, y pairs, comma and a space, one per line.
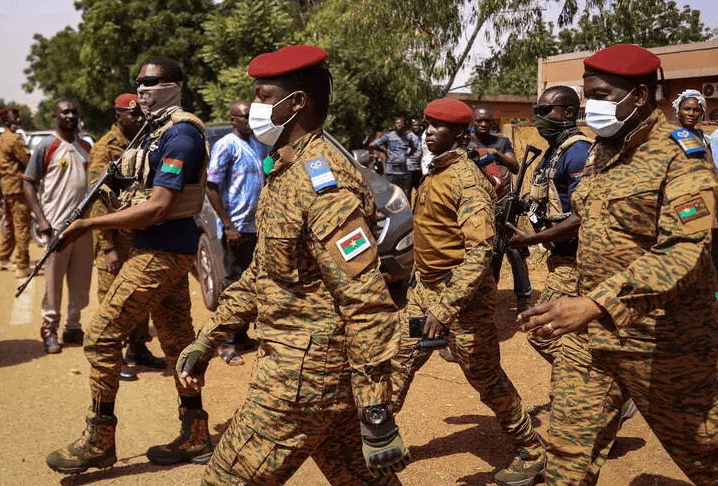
281, 256
633, 210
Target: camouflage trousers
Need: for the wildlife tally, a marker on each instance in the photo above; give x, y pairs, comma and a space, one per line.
150, 282
269, 439
17, 234
474, 342
140, 334
562, 280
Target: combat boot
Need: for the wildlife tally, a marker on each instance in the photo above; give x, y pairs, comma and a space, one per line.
527, 466
94, 448
192, 445
48, 333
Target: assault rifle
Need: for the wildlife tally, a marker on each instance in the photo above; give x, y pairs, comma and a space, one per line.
55, 242
511, 207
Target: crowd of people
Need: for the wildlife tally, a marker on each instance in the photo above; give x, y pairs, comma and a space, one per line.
628, 317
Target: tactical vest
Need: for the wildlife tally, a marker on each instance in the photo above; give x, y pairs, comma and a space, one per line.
136, 164
543, 188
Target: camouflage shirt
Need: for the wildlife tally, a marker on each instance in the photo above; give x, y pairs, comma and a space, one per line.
13, 159
107, 149
644, 242
324, 315
453, 230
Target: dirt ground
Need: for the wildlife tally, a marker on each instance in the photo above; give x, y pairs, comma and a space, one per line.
454, 439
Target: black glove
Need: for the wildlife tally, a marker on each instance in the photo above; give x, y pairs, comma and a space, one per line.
384, 450
194, 359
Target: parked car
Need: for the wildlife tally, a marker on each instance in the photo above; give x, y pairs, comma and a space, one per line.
393, 233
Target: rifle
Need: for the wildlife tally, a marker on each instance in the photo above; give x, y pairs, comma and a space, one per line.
55, 242
512, 207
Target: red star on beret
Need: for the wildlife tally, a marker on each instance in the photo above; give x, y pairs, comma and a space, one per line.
286, 60
126, 100
623, 60
449, 110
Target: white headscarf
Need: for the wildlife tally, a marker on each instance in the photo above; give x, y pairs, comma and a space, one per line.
689, 93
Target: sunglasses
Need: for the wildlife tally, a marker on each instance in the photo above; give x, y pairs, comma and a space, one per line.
147, 81
543, 110
246, 117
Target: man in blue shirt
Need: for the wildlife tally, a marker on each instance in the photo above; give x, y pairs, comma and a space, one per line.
170, 167
398, 147
234, 181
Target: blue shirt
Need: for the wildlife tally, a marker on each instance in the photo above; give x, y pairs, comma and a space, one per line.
175, 159
398, 149
714, 147
569, 170
235, 166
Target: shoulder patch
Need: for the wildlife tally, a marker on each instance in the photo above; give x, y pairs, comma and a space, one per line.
320, 174
353, 244
688, 142
692, 209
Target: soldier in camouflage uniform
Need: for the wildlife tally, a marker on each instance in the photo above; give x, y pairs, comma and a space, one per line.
326, 323
455, 288
14, 156
112, 246
646, 302
172, 160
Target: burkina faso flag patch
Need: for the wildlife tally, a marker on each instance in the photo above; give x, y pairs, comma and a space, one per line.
692, 209
353, 244
173, 166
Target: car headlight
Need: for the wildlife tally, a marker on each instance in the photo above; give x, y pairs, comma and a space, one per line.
406, 242
396, 204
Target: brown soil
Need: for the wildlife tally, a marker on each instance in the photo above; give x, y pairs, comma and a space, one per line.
454, 439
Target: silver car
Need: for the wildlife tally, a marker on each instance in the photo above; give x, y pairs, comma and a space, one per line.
394, 232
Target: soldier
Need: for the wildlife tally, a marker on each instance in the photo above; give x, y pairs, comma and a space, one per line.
454, 286
112, 246
170, 166
646, 301
325, 321
553, 183
14, 156
55, 181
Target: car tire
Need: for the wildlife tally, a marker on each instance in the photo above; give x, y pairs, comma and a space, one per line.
208, 273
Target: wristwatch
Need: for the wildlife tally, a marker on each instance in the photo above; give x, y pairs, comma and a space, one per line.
375, 414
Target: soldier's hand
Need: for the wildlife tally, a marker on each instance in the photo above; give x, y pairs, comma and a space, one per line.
193, 362
74, 231
562, 316
433, 329
112, 261
382, 446
519, 239
44, 228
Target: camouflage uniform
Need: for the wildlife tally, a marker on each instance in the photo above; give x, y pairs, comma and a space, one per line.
107, 149
326, 328
453, 230
644, 257
14, 156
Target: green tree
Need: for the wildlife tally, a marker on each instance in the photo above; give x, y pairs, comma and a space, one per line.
100, 60
650, 23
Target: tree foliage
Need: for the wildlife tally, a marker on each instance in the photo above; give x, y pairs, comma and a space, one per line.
650, 23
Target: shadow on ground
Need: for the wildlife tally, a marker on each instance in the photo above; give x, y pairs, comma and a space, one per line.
624, 445
485, 440
656, 480
116, 471
16, 351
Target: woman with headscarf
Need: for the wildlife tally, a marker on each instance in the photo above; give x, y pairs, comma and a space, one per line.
690, 107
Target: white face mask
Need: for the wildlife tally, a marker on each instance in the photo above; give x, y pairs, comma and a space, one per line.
601, 116
260, 121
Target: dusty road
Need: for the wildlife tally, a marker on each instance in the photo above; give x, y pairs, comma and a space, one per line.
454, 439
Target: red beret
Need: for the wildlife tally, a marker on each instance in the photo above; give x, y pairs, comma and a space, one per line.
126, 100
449, 110
286, 60
623, 60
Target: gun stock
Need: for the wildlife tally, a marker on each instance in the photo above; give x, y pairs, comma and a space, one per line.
93, 193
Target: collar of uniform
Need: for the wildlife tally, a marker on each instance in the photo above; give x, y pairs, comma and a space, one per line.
118, 135
287, 154
441, 162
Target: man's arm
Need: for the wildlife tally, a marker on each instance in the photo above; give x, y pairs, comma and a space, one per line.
508, 159
380, 143
568, 228
43, 226
217, 174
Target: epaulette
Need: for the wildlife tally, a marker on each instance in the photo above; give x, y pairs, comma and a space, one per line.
688, 142
320, 174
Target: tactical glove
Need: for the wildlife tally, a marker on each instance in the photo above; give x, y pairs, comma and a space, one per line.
194, 359
384, 450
